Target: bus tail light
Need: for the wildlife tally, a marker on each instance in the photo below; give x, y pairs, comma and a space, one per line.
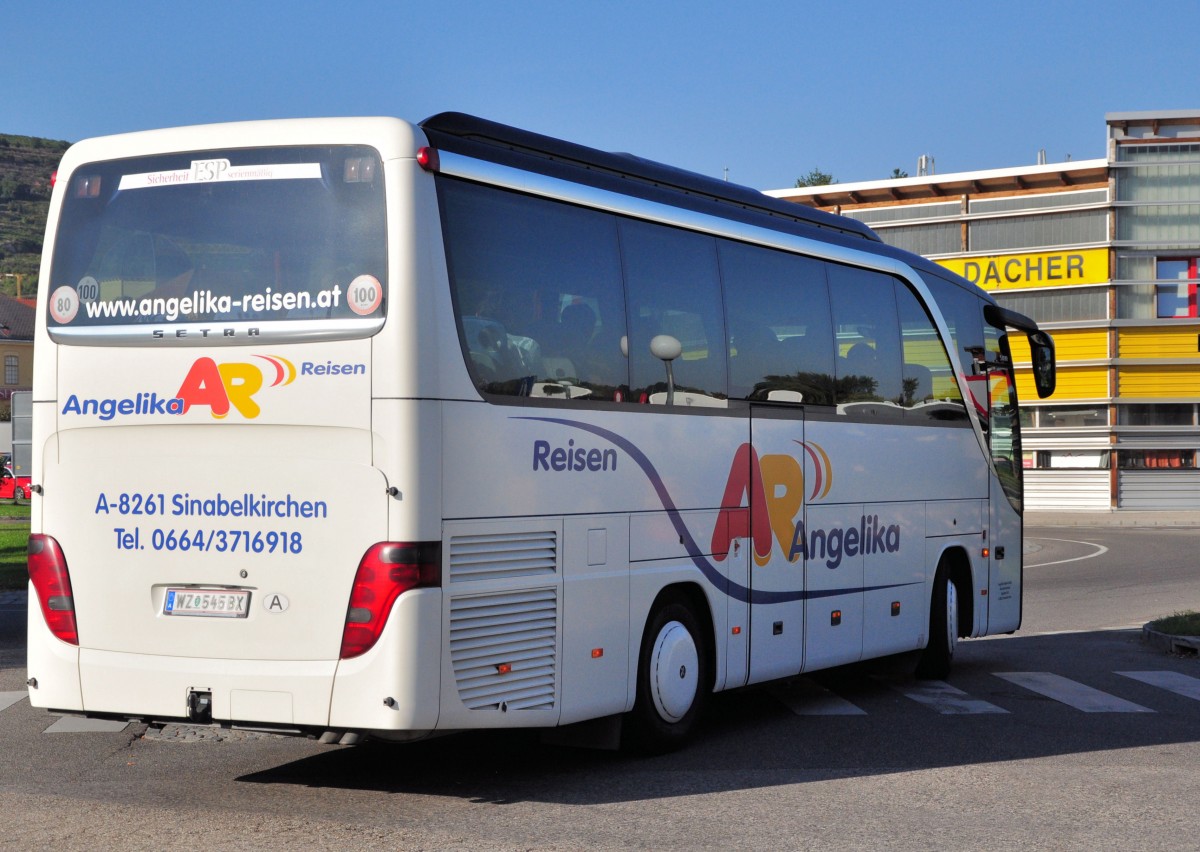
386, 571
48, 572
428, 159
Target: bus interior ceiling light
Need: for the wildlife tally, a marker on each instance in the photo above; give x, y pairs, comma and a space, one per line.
359, 170
87, 186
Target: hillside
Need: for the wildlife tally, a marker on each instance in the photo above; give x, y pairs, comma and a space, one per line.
26, 164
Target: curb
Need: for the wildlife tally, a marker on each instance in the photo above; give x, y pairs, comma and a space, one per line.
1184, 645
1120, 518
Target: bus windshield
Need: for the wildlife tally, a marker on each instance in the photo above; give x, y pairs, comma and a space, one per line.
253, 235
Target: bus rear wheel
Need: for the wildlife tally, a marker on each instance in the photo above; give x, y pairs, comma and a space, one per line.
673, 682
935, 660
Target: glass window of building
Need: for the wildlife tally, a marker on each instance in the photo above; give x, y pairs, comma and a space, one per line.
1156, 459
1072, 416
1178, 298
1156, 414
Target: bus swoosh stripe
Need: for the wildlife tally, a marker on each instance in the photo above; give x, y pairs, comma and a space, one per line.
710, 572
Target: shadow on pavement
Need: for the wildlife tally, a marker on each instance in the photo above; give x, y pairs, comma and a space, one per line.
752, 739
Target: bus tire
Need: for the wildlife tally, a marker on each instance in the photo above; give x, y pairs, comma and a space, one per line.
935, 660
673, 681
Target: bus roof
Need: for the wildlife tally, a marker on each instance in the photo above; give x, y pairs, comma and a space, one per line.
489, 140
632, 175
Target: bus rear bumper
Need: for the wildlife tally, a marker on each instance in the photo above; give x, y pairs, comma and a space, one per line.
391, 691
53, 665
267, 692
396, 685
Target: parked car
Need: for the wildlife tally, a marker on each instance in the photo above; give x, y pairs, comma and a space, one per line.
15, 488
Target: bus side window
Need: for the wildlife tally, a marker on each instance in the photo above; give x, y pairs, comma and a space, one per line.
517, 263
674, 289
868, 340
930, 391
781, 342
960, 310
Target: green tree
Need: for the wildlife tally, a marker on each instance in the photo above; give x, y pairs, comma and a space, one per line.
899, 173
816, 178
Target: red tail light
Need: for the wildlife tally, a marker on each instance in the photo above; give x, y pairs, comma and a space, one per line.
386, 571
428, 159
48, 571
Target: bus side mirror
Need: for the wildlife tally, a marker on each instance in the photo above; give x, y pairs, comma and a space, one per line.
1041, 348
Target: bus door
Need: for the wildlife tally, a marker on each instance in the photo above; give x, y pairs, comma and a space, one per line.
776, 484
1004, 565
1004, 444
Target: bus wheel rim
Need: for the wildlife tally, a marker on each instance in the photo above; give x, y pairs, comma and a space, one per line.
674, 677
951, 616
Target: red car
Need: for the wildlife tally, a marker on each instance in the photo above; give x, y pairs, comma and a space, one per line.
14, 488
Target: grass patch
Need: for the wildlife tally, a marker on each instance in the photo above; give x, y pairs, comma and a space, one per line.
1185, 623
14, 541
14, 510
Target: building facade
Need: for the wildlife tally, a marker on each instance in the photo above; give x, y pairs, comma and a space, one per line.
16, 346
1105, 255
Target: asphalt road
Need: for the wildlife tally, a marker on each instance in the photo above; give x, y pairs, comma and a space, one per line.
1071, 734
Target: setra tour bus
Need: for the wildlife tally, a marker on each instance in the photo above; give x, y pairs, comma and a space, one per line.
354, 427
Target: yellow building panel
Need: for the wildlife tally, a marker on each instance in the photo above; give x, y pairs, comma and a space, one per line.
1018, 344
1083, 344
1173, 381
1159, 342
1073, 383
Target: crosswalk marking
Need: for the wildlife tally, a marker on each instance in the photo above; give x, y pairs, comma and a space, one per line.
946, 699
78, 725
807, 698
8, 699
1180, 684
1072, 693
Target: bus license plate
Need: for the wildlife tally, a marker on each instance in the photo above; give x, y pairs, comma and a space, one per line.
214, 603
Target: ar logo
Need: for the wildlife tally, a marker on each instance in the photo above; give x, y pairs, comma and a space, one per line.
231, 384
763, 498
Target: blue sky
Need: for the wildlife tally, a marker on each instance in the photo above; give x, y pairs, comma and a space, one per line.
768, 90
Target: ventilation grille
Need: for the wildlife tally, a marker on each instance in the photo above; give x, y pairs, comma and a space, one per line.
503, 555
502, 647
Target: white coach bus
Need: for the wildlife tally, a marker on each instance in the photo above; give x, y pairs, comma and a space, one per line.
357, 427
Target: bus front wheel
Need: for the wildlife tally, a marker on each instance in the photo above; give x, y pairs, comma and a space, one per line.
674, 677
935, 660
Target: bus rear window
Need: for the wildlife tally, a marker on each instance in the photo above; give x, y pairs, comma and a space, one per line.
288, 241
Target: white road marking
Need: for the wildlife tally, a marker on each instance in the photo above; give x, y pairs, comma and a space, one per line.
1100, 552
1072, 693
1180, 684
77, 725
946, 699
806, 698
8, 699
